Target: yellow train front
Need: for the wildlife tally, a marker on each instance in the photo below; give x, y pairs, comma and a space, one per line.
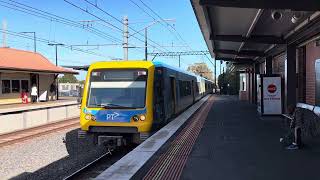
124, 101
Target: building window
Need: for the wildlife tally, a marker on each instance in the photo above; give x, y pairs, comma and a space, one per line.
25, 85
6, 86
15, 86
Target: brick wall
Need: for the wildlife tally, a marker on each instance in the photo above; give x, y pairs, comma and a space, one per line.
278, 64
312, 54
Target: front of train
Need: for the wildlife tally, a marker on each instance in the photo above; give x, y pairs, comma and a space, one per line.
117, 102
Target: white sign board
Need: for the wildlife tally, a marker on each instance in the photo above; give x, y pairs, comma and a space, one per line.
272, 95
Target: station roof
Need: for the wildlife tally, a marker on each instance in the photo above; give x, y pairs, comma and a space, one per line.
245, 31
20, 60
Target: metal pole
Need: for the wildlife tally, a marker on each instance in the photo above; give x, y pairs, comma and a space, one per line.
179, 61
34, 41
56, 54
125, 38
215, 74
220, 66
146, 44
56, 48
57, 80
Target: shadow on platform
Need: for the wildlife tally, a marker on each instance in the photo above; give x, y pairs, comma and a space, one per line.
235, 143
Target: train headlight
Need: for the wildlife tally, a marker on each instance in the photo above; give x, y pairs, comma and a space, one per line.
87, 116
142, 117
135, 118
90, 117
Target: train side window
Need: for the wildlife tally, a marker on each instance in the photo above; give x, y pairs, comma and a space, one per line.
184, 88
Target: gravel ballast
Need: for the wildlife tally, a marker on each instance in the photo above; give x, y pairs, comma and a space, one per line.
45, 157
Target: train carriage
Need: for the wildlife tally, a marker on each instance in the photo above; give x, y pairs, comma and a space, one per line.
126, 101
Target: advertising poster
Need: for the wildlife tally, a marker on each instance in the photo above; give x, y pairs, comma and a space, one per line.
272, 96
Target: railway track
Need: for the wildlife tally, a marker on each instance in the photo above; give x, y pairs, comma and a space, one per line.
23, 135
97, 166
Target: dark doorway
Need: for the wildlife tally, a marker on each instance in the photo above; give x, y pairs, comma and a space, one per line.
173, 100
34, 79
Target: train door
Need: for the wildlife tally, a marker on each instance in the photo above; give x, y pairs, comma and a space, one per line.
317, 82
159, 110
173, 100
193, 88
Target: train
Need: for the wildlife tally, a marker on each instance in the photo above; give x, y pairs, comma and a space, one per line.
126, 101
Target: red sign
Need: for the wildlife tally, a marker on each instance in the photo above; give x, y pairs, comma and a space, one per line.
272, 88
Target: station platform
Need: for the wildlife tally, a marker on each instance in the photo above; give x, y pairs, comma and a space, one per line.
18, 117
227, 139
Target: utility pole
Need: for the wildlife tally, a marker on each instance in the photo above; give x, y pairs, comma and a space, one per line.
179, 61
146, 43
34, 40
146, 35
125, 37
57, 83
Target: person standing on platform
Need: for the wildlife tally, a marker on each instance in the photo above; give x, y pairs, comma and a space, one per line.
296, 125
34, 93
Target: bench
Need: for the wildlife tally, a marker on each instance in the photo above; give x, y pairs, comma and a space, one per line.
310, 112
314, 109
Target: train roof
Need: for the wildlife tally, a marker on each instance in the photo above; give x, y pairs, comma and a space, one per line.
161, 64
139, 63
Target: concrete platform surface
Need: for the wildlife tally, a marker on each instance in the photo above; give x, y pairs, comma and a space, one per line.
236, 144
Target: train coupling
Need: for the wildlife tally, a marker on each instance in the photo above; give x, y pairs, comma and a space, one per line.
111, 141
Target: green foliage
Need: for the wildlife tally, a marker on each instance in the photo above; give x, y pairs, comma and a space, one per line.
230, 78
201, 69
68, 78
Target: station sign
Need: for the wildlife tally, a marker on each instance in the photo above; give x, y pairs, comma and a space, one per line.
272, 95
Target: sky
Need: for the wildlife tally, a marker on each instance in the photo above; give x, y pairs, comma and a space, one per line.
77, 22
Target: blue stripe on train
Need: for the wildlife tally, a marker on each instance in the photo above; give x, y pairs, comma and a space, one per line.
114, 115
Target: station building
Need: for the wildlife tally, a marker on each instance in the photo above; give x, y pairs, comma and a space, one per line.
20, 70
266, 38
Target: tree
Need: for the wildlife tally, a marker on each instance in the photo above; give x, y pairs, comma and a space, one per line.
229, 83
68, 78
201, 69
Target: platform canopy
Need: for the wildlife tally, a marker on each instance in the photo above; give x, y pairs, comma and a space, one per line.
245, 31
26, 61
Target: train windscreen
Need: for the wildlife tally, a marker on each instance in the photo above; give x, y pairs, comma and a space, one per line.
117, 88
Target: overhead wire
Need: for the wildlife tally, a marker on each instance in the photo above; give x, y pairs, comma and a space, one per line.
52, 17
148, 7
105, 12
146, 12
43, 40
176, 34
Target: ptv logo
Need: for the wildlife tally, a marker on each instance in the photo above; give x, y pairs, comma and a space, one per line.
272, 88
112, 116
